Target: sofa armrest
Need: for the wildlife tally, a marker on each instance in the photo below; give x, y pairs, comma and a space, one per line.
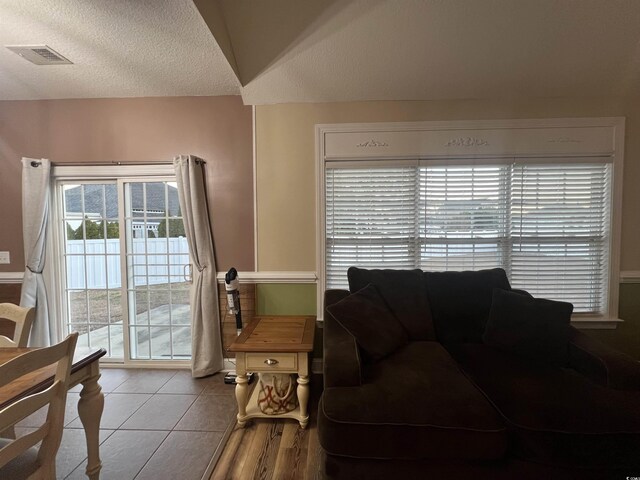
341, 357
601, 363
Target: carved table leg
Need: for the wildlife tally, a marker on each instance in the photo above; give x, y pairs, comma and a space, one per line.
303, 399
90, 408
242, 390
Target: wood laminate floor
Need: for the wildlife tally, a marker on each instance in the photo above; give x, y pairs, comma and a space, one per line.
273, 449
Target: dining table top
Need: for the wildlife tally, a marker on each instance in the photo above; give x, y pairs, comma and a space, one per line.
40, 379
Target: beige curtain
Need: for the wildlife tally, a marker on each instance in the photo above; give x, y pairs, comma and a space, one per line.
35, 216
206, 341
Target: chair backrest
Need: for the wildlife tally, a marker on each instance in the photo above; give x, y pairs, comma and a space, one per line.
50, 433
23, 319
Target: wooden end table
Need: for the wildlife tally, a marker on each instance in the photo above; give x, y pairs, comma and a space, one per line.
276, 344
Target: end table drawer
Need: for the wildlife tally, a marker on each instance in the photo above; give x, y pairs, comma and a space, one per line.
271, 361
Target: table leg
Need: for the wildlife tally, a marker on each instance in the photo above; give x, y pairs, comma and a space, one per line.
90, 408
242, 390
303, 399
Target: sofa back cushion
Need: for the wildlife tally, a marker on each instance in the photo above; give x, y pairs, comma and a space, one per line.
533, 328
461, 302
365, 316
404, 292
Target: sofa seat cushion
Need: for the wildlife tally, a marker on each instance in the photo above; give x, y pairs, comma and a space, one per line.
414, 404
555, 415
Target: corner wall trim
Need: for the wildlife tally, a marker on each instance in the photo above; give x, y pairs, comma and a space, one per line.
273, 277
630, 276
11, 277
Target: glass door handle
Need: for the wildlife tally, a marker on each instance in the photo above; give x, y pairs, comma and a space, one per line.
187, 273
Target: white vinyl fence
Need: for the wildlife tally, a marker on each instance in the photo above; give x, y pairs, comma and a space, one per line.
96, 263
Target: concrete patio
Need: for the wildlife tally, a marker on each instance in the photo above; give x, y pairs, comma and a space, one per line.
154, 337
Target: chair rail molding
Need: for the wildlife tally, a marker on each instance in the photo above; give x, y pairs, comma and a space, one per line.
273, 277
630, 276
245, 277
11, 277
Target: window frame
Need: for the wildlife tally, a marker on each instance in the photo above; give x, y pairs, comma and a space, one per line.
539, 140
55, 270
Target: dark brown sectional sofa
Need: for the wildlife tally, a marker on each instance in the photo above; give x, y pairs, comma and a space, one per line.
448, 403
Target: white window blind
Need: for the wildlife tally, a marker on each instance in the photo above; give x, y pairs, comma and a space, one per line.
547, 224
560, 221
463, 217
370, 220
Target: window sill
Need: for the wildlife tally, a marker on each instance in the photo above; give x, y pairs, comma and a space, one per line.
596, 323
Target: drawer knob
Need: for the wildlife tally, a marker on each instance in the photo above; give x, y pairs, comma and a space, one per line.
271, 361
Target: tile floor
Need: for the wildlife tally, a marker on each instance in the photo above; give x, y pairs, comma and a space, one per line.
157, 424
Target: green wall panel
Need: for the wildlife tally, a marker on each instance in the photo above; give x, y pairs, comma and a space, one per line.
286, 299
289, 299
626, 337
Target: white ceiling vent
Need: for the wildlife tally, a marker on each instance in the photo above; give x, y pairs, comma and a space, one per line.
39, 54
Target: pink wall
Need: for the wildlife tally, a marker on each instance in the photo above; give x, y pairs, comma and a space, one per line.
217, 129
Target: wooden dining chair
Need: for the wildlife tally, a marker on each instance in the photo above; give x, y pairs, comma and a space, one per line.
19, 459
21, 320
22, 317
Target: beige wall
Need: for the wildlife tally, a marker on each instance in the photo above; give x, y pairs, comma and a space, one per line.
286, 183
286, 196
218, 129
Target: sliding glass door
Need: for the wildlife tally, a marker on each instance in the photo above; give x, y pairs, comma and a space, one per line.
125, 272
91, 252
157, 260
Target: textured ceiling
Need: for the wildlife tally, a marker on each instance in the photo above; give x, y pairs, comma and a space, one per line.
279, 51
120, 48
